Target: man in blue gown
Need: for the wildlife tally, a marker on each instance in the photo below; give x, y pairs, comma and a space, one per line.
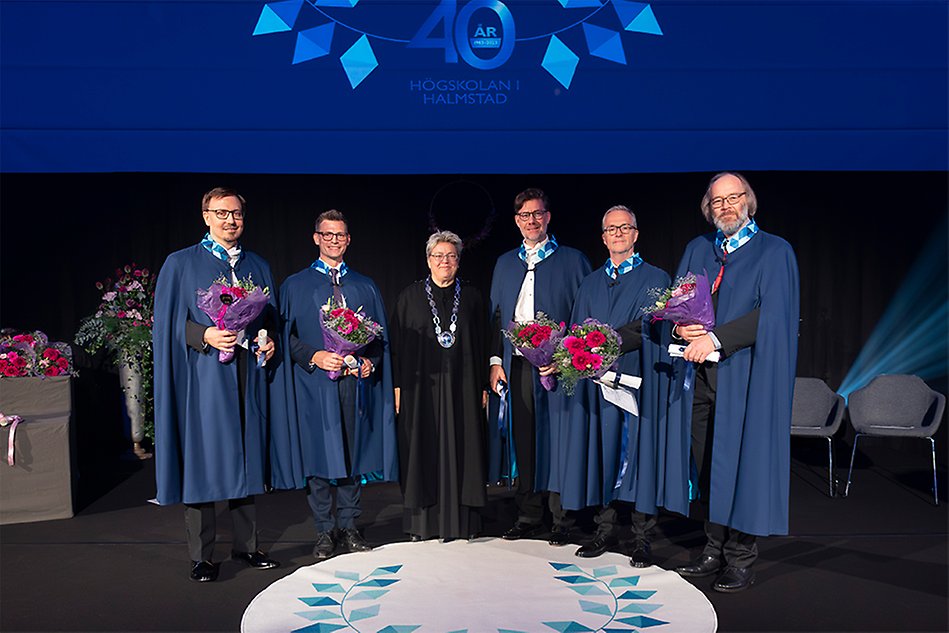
539, 276
343, 429
600, 443
739, 409
211, 417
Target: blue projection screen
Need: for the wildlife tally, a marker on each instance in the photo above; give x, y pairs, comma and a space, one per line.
472, 86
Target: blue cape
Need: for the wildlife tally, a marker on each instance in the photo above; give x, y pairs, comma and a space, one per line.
590, 457
750, 467
311, 433
556, 280
200, 453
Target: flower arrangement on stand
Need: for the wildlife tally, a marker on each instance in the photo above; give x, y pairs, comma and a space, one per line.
122, 324
588, 351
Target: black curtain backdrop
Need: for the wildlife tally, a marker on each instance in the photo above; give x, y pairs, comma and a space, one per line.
856, 234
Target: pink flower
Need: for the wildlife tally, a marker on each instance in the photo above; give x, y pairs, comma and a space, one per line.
580, 361
24, 338
595, 338
574, 344
120, 314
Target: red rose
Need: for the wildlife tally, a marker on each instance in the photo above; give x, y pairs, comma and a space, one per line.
52, 370
24, 338
538, 339
545, 330
62, 363
335, 312
50, 353
238, 292
120, 314
595, 338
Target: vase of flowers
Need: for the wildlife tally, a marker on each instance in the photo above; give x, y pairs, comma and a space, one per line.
122, 324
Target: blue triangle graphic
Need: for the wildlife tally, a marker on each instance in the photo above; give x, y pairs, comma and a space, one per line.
369, 595
642, 621
277, 17
401, 628
365, 612
604, 43
322, 601
313, 616
391, 569
568, 627
645, 22
321, 627
358, 62
313, 43
560, 61
565, 566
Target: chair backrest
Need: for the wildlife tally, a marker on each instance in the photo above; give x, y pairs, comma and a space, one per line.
896, 404
816, 410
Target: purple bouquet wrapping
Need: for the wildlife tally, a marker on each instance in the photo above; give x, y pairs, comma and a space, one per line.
536, 341
345, 331
687, 302
232, 307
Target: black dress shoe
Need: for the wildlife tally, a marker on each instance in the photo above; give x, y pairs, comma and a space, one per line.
641, 554
255, 560
704, 565
415, 538
559, 536
522, 530
325, 546
599, 544
734, 579
203, 571
350, 540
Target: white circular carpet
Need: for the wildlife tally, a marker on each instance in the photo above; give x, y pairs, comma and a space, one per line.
485, 585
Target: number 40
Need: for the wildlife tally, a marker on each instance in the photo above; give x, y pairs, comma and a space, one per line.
455, 28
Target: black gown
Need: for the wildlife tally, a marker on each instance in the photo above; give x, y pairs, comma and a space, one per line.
441, 420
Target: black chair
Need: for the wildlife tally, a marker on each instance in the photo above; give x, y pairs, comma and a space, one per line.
897, 405
817, 412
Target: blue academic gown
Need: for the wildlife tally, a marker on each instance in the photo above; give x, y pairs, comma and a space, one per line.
201, 454
750, 467
556, 279
312, 431
590, 455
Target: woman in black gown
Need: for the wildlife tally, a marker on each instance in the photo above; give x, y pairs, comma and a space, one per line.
440, 372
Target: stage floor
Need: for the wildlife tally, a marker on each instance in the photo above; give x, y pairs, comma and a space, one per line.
875, 561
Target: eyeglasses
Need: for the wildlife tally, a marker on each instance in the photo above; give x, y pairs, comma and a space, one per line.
524, 216
449, 257
731, 199
329, 236
622, 229
221, 214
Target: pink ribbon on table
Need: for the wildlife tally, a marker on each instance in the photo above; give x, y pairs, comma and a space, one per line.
13, 420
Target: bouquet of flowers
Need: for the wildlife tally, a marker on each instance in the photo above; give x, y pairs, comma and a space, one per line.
536, 341
32, 355
123, 321
232, 307
345, 331
588, 351
687, 302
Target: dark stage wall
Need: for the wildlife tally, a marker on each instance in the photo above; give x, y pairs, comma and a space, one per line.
856, 234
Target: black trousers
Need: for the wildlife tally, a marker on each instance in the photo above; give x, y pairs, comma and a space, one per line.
530, 503
347, 491
737, 548
201, 527
608, 523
